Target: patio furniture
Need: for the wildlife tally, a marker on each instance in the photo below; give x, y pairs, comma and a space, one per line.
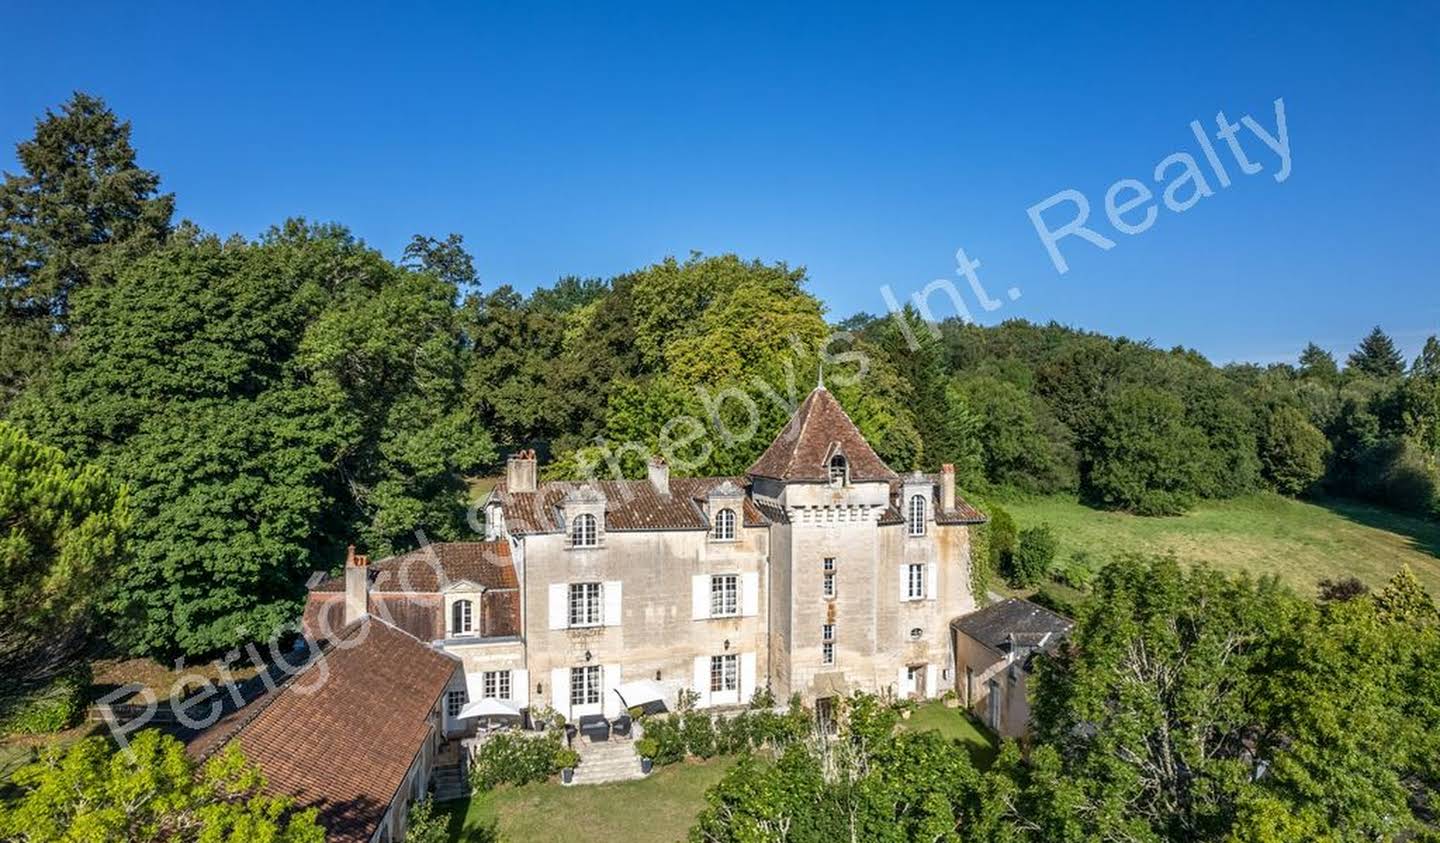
621, 726
595, 727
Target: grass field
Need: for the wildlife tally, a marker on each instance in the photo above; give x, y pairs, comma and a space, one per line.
955, 724
657, 809
1301, 542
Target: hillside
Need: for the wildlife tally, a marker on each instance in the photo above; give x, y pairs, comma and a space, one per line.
1302, 542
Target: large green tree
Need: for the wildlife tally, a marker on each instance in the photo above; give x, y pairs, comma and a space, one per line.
149, 793
1292, 450
1145, 456
267, 402
1376, 356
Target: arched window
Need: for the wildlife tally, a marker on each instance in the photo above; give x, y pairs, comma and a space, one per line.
462, 617
917, 515
583, 533
839, 470
725, 525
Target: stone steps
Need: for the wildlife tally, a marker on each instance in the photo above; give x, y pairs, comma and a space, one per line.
608, 761
450, 783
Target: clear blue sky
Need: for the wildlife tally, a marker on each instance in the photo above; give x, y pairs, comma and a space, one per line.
866, 144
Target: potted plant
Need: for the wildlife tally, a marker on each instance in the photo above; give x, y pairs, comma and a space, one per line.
951, 699
567, 760
647, 747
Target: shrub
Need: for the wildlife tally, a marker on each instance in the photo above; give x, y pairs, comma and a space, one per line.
665, 733
424, 825
52, 708
699, 733
1034, 556
517, 758
1078, 572
647, 748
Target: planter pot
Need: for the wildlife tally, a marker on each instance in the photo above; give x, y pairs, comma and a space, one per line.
904, 714
567, 775
952, 702
646, 765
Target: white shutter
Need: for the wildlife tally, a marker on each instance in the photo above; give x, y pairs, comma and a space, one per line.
932, 580
702, 680
931, 690
475, 685
520, 688
749, 594
611, 700
560, 690
613, 612
901, 683
747, 677
559, 606
904, 578
700, 597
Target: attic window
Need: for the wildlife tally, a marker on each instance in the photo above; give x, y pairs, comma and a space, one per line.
839, 470
917, 515
725, 525
584, 533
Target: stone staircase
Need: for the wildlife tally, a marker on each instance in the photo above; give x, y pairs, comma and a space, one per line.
606, 761
450, 783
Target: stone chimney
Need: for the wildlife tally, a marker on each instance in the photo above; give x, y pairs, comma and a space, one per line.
520, 472
357, 586
660, 475
947, 487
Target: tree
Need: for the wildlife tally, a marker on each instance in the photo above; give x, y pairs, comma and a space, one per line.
1318, 364
1014, 448
79, 204
1377, 356
445, 259
268, 402
1427, 365
1144, 456
150, 792
1034, 556
1404, 600
1292, 451
62, 534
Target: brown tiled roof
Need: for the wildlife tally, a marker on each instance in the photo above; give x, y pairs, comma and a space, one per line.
340, 736
426, 570
962, 513
629, 505
813, 435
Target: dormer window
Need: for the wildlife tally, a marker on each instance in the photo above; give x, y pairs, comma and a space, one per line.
725, 525
917, 515
462, 617
839, 470
583, 532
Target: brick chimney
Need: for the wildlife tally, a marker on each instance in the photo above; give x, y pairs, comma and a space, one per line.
947, 487
660, 475
520, 472
357, 586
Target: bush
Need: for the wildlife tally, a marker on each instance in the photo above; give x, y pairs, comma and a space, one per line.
425, 825
52, 708
665, 733
518, 758
1001, 537
1078, 572
1292, 451
699, 734
647, 748
1034, 556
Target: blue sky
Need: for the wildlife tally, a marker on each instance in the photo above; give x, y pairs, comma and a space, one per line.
865, 143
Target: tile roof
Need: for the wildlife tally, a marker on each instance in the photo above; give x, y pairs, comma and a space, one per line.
804, 447
962, 513
341, 735
629, 505
1025, 625
428, 569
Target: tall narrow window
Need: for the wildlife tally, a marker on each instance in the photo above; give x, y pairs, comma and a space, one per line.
583, 532
585, 685
827, 643
724, 673
725, 525
724, 595
585, 604
839, 470
828, 586
915, 581
917, 515
462, 621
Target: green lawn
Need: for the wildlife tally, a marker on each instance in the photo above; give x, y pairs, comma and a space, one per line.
1301, 542
659, 808
956, 724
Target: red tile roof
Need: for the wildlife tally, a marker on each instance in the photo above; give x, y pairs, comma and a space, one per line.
343, 732
818, 430
427, 570
629, 505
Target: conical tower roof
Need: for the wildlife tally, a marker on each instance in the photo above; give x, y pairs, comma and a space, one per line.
818, 430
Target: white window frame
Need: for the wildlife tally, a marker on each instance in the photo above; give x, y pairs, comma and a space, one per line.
724, 595
454, 704
917, 515
915, 575
585, 604
724, 525
585, 684
725, 673
827, 644
827, 584
466, 608
585, 531
496, 684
